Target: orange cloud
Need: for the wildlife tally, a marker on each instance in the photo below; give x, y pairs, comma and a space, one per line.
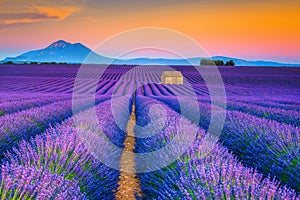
19, 21
58, 13
37, 14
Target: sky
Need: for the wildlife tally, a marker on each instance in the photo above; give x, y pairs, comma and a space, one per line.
254, 30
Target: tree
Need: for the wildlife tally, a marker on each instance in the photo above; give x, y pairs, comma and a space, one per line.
53, 63
219, 62
9, 62
206, 62
33, 63
230, 63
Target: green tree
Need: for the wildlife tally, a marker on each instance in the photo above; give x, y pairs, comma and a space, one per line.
230, 63
219, 62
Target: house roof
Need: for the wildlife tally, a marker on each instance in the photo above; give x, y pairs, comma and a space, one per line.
171, 73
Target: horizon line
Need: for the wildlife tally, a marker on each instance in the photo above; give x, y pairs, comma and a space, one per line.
156, 57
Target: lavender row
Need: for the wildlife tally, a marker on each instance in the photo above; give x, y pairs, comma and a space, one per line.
224, 177
15, 106
25, 124
217, 175
72, 150
281, 115
251, 82
269, 146
154, 89
199, 174
286, 105
11, 97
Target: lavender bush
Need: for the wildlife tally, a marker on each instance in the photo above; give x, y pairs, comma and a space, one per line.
199, 174
15, 106
281, 115
24, 182
270, 146
24, 124
68, 150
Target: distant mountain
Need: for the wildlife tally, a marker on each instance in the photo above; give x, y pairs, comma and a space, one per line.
62, 51
59, 51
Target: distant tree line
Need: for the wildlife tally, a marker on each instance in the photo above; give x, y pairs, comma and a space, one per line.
9, 62
210, 62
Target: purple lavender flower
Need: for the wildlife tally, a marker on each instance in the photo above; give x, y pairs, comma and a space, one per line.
198, 174
35, 184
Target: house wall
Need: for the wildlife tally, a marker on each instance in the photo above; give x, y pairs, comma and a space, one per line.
180, 80
172, 80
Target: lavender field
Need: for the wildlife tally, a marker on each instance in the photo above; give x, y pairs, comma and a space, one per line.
48, 151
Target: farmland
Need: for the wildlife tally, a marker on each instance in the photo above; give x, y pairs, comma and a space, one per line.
48, 151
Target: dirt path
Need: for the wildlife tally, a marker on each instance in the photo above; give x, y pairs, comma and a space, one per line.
129, 183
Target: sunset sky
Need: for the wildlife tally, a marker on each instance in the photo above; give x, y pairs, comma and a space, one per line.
264, 29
